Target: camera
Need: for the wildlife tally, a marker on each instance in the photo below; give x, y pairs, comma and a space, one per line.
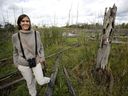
32, 62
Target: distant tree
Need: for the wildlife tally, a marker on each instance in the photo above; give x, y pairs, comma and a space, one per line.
123, 25
7, 31
98, 25
9, 27
126, 25
0, 25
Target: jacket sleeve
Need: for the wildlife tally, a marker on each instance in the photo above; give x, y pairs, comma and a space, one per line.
15, 52
41, 49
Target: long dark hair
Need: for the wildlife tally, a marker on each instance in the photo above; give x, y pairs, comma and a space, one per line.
20, 19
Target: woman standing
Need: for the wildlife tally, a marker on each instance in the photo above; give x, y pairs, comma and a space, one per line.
28, 54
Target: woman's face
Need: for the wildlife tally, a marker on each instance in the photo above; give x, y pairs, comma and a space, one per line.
25, 24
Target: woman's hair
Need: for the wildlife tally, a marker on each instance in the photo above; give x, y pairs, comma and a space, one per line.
20, 19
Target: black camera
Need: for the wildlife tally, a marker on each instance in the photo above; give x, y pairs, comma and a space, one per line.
32, 62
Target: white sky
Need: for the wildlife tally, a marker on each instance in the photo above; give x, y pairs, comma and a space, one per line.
56, 12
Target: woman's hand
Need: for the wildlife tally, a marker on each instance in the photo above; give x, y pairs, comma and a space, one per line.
44, 67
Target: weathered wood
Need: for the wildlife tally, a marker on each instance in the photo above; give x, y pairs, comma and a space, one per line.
103, 74
49, 91
79, 72
4, 61
104, 77
106, 38
69, 84
11, 83
8, 75
53, 75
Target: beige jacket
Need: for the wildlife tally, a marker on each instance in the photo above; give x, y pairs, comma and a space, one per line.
28, 43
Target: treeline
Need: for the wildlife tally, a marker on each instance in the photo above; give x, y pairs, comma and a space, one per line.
7, 27
85, 25
10, 27
6, 31
123, 25
96, 25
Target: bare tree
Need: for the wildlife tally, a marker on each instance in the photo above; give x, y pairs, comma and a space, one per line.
77, 13
102, 73
105, 43
69, 15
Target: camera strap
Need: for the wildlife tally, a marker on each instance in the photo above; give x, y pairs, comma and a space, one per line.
35, 44
22, 46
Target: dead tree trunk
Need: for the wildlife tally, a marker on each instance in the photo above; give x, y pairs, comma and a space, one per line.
102, 74
105, 43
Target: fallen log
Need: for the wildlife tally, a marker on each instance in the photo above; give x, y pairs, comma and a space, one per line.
69, 84
11, 83
49, 91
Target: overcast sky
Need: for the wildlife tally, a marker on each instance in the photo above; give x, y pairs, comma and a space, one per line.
56, 12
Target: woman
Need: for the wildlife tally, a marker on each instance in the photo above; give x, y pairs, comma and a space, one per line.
28, 54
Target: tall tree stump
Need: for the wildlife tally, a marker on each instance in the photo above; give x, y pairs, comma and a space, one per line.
102, 73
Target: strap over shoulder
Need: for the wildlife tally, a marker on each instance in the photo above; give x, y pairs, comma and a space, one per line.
22, 45
35, 43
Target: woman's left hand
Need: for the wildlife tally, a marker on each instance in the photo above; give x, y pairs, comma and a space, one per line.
44, 66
